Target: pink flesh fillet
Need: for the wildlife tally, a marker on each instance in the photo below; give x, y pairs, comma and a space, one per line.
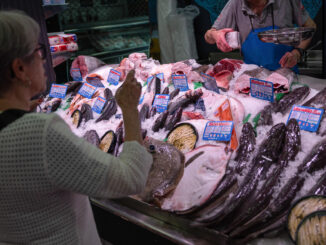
200, 178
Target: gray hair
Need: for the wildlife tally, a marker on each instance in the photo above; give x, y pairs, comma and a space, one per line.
19, 35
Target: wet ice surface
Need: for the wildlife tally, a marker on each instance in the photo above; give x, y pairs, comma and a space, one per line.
252, 106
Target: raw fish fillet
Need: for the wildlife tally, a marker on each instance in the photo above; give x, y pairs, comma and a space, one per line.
282, 79
200, 177
242, 84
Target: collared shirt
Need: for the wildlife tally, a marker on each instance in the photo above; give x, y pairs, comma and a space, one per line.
236, 15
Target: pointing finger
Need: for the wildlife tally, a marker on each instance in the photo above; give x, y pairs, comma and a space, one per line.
131, 76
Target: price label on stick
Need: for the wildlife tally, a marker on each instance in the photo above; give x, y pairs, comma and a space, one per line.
218, 130
114, 77
99, 104
161, 102
308, 118
180, 82
76, 74
261, 89
87, 90
58, 91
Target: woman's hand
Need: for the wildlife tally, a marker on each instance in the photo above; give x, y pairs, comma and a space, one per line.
218, 36
128, 94
290, 59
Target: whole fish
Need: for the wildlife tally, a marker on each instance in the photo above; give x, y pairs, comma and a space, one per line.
290, 99
200, 178
92, 137
108, 111
165, 173
263, 195
279, 205
87, 112
190, 97
160, 121
144, 113
267, 154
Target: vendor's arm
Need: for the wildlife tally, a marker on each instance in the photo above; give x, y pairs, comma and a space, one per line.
290, 59
224, 23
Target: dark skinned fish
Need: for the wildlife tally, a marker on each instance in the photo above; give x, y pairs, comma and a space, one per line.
268, 154
87, 112
144, 112
166, 171
190, 97
312, 163
176, 117
290, 99
263, 195
92, 137
160, 121
174, 93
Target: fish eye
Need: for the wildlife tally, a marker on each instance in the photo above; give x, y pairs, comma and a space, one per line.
152, 148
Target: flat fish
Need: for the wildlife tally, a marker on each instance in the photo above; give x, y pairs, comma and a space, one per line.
200, 177
166, 171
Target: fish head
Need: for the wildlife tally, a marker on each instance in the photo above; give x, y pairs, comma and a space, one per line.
166, 170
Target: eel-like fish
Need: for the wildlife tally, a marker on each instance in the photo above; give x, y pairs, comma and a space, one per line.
318, 101
263, 195
268, 154
294, 97
278, 206
119, 133
166, 171
174, 93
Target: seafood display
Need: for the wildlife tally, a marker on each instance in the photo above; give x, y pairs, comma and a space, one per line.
240, 181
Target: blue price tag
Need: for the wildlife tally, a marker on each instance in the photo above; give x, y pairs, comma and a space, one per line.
180, 82
308, 118
95, 81
98, 105
160, 76
58, 91
76, 75
161, 102
210, 80
114, 77
218, 130
87, 90
141, 99
261, 89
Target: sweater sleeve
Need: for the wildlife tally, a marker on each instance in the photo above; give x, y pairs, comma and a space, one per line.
71, 163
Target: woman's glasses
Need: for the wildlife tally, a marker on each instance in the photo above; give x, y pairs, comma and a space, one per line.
41, 51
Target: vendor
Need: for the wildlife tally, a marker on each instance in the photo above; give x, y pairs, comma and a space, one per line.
250, 17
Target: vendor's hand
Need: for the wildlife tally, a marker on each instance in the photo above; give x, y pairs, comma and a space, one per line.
290, 59
218, 37
128, 94
80, 63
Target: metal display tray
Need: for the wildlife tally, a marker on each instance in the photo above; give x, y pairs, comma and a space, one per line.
287, 36
175, 228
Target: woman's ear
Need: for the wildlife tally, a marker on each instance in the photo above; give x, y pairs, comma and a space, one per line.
19, 71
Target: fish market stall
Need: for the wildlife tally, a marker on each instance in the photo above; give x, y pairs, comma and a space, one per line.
234, 146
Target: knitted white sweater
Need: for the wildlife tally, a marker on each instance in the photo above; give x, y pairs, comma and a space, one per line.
46, 174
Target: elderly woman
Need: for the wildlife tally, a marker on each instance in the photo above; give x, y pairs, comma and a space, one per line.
46, 172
